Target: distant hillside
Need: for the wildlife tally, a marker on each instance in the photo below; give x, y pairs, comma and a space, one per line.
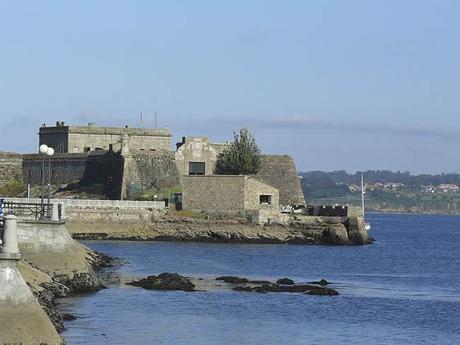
385, 190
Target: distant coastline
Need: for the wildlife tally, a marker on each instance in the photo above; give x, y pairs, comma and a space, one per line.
385, 191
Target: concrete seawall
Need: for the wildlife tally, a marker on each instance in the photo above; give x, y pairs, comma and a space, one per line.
43, 237
22, 319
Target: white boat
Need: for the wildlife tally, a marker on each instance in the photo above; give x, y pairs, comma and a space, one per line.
366, 225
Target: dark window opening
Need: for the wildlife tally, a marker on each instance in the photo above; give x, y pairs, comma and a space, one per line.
98, 149
110, 147
86, 149
196, 168
265, 199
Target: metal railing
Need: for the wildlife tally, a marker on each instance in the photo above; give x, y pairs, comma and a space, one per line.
28, 210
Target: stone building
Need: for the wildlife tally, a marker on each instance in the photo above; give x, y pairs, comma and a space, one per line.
79, 139
231, 195
197, 156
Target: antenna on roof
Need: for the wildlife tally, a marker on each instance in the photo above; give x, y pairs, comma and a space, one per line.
141, 116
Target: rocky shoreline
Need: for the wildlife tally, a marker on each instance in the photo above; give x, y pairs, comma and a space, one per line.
324, 231
47, 288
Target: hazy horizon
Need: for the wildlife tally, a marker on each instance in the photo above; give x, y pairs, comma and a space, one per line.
337, 85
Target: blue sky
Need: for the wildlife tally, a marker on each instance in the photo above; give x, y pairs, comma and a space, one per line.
355, 84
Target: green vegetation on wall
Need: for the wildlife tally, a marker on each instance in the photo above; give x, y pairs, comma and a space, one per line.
12, 188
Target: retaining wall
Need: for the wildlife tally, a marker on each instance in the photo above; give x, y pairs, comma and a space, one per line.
87, 203
36, 237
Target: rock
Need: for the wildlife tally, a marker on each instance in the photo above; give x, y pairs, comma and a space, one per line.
243, 288
238, 280
285, 281
80, 282
302, 288
68, 317
335, 234
320, 282
165, 281
233, 280
322, 291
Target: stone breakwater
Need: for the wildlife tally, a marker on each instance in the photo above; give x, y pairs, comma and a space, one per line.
301, 230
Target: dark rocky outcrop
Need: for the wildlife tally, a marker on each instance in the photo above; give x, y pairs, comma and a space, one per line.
322, 282
238, 280
165, 281
233, 280
302, 288
281, 285
285, 281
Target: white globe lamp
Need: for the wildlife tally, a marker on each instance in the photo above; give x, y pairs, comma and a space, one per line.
50, 151
43, 149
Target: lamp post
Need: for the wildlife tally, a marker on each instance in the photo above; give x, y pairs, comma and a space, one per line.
43, 150
49, 153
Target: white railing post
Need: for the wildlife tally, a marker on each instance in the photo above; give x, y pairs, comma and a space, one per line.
10, 235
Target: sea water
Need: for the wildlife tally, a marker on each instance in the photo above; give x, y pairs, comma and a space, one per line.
403, 289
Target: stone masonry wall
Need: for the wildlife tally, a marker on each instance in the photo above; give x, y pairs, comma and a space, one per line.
214, 193
254, 189
149, 170
64, 168
10, 167
279, 171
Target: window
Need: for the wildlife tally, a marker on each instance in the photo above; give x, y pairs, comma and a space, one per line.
110, 147
86, 149
196, 168
265, 199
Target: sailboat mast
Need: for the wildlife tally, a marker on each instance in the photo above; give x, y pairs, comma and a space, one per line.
362, 193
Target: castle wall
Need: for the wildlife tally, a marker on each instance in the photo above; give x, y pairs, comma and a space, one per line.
64, 168
149, 170
55, 137
79, 142
10, 167
216, 193
229, 194
279, 171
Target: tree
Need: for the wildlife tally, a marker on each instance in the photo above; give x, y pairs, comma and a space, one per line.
241, 158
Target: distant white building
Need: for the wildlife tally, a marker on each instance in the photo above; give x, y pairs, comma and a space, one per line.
448, 187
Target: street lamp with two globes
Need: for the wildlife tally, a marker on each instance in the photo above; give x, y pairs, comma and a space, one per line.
46, 150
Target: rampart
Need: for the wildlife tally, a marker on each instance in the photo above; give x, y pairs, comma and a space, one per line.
10, 167
279, 171
64, 167
149, 171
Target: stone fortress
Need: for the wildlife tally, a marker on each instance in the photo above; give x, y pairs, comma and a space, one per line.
124, 162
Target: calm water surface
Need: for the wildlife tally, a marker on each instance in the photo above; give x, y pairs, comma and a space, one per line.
404, 289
